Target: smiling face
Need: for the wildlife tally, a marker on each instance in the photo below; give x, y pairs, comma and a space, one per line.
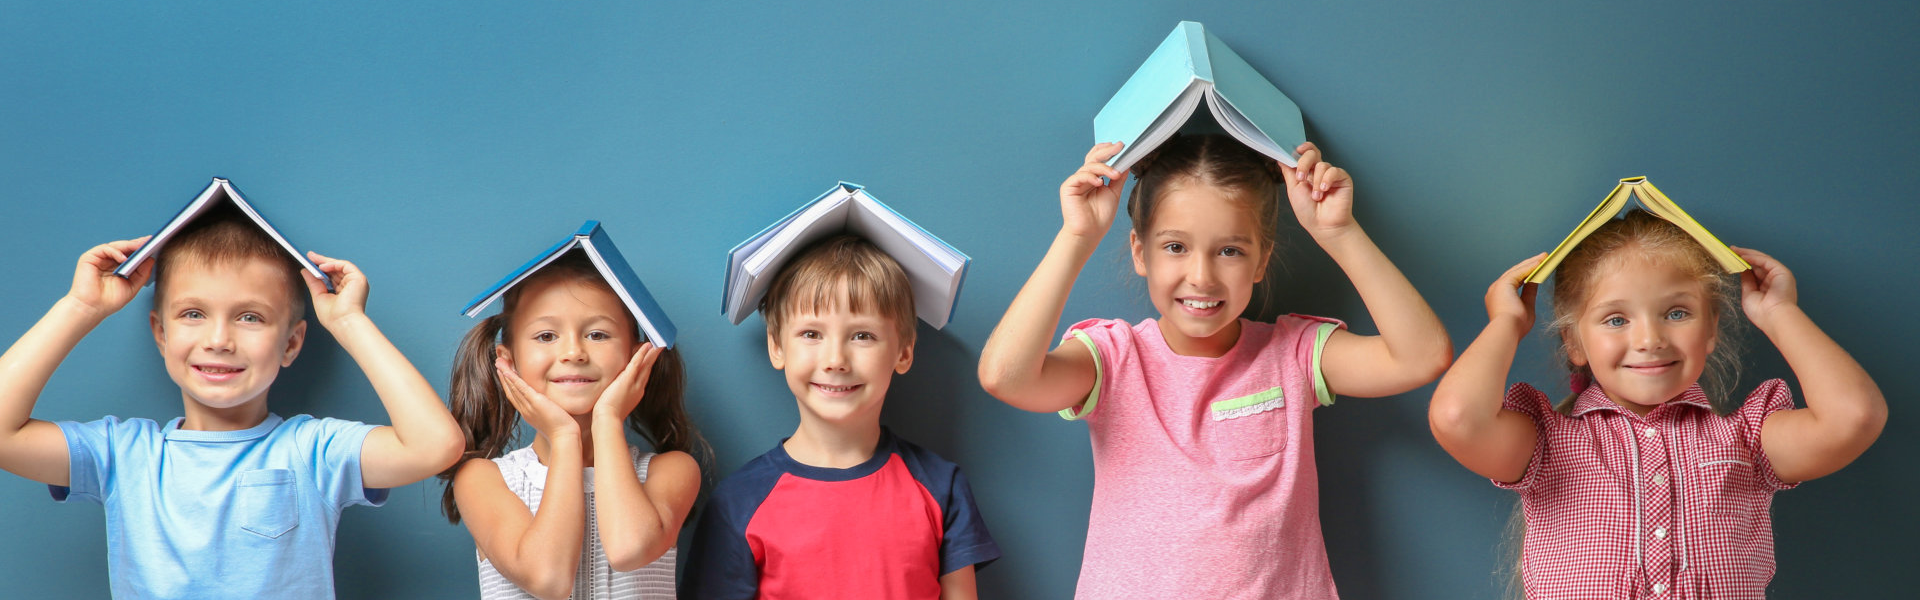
838, 362
1201, 254
569, 339
225, 328
1646, 331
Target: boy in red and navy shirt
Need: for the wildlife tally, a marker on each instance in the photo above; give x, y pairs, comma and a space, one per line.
843, 508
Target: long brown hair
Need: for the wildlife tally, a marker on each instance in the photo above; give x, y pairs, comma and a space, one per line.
489, 422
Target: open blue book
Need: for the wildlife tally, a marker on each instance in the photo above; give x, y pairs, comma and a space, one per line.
1191, 66
218, 194
934, 268
599, 248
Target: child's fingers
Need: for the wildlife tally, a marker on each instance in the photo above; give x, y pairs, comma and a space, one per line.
1287, 174
1101, 152
1309, 157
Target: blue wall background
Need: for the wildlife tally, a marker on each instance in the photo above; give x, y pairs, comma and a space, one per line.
440, 143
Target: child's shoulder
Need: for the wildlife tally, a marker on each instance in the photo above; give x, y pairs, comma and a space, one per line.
751, 483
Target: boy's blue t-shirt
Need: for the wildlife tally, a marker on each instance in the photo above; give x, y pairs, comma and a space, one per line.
219, 514
887, 528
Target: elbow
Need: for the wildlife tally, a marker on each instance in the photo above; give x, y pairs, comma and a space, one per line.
549, 586
631, 559
447, 450
1448, 420
1434, 362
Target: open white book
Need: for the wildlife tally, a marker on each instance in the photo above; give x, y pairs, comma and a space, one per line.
934, 267
217, 195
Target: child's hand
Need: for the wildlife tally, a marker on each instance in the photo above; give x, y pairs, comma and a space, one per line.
1766, 288
95, 285
349, 295
1087, 205
624, 394
534, 407
1321, 194
1504, 303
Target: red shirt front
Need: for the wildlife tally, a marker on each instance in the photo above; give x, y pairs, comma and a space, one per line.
1674, 504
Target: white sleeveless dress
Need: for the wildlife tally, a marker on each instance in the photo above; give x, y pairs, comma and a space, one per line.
594, 579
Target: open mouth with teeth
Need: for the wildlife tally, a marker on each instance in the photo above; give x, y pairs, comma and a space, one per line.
218, 372
836, 389
1199, 304
573, 380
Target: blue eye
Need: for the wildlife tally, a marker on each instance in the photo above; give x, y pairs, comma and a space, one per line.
192, 314
1678, 314
1616, 322
251, 318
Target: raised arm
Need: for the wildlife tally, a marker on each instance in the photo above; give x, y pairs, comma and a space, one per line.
1015, 365
423, 439
1466, 414
30, 447
1412, 347
539, 552
1845, 409
638, 522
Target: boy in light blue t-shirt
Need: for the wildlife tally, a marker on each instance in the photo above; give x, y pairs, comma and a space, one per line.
229, 500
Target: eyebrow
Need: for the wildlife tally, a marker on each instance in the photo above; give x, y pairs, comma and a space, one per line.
1232, 239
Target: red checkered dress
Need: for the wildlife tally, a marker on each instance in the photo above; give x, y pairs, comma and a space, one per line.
1670, 505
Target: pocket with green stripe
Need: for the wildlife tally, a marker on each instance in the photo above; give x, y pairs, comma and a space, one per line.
1250, 426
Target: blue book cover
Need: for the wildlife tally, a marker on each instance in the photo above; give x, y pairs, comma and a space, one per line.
934, 268
220, 190
600, 249
1187, 69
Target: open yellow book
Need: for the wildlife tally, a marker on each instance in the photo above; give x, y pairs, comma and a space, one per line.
1655, 202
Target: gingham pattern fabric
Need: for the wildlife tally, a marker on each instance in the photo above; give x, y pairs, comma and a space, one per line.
1672, 505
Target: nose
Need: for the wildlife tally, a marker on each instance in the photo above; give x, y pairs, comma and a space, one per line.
219, 337
572, 351
1649, 336
834, 359
1200, 273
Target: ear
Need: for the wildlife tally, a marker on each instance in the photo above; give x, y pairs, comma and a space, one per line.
1139, 258
1574, 354
776, 354
296, 339
906, 359
1260, 270
159, 331
500, 350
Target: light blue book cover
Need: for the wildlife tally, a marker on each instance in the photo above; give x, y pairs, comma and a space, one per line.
599, 248
210, 198
1189, 68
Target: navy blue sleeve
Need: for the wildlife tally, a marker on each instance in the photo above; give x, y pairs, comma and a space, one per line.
719, 563
964, 539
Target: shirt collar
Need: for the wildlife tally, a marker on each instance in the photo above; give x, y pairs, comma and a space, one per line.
1593, 398
173, 432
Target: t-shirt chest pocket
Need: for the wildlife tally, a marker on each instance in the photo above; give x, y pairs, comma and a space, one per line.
265, 502
1247, 427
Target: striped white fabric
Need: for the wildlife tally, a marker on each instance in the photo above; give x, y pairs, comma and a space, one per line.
595, 580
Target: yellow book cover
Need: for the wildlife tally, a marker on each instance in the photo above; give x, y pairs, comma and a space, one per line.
1655, 202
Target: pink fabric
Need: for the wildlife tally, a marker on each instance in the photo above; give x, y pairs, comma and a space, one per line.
1671, 505
1189, 506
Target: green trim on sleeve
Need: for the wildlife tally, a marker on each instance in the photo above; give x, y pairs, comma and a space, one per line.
1320, 380
1093, 397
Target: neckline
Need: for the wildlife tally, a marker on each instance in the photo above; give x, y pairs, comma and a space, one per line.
173, 432
1153, 325
882, 452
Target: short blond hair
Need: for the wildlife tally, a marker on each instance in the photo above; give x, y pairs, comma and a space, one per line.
842, 268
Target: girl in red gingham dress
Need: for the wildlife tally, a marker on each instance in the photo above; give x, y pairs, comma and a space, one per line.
1643, 484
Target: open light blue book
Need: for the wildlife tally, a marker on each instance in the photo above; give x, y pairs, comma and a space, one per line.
592, 240
1191, 66
219, 195
934, 268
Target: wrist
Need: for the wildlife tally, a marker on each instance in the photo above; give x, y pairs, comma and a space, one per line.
76, 308
1339, 238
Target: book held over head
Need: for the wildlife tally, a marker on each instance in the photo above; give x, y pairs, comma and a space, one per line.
1655, 202
934, 268
1189, 67
220, 199
592, 240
